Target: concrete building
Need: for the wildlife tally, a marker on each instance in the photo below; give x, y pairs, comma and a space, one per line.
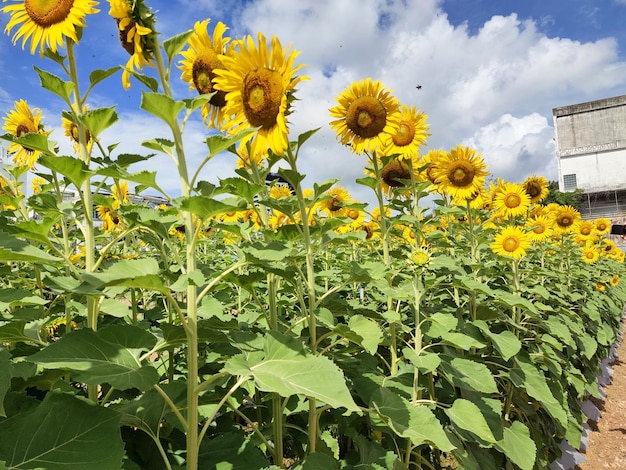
591, 153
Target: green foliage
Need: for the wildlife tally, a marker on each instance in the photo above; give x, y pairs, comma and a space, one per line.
569, 198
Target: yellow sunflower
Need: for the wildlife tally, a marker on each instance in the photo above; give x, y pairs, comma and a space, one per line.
396, 173
614, 281
71, 131
19, 122
537, 188
201, 59
590, 253
420, 256
460, 172
603, 226
511, 200
599, 286
565, 217
120, 194
46, 23
409, 137
511, 241
367, 114
37, 183
136, 25
335, 206
111, 221
539, 228
585, 229
259, 83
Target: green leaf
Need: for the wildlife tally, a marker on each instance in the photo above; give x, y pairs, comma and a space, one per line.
368, 330
166, 146
148, 410
149, 82
231, 451
12, 297
518, 446
96, 358
468, 374
425, 361
97, 76
272, 251
440, 323
302, 138
161, 106
13, 249
14, 333
176, 43
417, 423
285, 368
140, 273
461, 340
506, 343
588, 345
466, 415
63, 432
74, 169
6, 369
318, 461
218, 143
99, 119
33, 141
205, 207
54, 84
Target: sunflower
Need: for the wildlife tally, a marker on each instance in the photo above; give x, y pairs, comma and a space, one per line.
201, 59
36, 184
539, 228
409, 137
19, 122
537, 188
614, 281
136, 25
511, 241
71, 131
590, 253
111, 221
511, 200
396, 173
259, 83
565, 218
460, 172
585, 229
603, 226
335, 206
120, 194
46, 23
420, 256
599, 286
366, 116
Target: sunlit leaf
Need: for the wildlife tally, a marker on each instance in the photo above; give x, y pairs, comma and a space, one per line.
14, 249
98, 119
468, 374
518, 446
5, 376
176, 43
161, 106
54, 84
74, 169
98, 75
466, 415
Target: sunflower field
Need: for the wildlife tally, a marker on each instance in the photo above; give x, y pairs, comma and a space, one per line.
258, 323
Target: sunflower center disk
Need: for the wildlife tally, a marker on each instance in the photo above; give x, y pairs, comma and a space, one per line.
533, 190
394, 172
366, 117
512, 201
510, 244
405, 134
262, 94
539, 230
461, 174
46, 13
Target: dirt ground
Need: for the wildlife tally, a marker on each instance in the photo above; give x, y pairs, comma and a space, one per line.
607, 445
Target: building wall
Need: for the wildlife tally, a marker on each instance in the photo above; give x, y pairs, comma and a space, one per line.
591, 144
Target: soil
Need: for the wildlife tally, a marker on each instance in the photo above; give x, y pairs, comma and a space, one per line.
607, 441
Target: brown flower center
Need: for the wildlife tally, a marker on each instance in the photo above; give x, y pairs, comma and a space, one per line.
366, 117
510, 244
585, 230
539, 229
203, 74
394, 172
46, 13
262, 94
404, 135
533, 189
353, 214
512, 201
461, 174
129, 46
75, 135
21, 130
601, 226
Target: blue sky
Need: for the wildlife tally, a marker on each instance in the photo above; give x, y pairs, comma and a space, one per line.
491, 72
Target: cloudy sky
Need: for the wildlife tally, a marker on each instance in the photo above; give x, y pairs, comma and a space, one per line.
490, 72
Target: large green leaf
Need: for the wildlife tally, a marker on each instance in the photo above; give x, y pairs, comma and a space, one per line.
12, 297
99, 119
518, 446
101, 357
417, 423
140, 273
368, 330
54, 84
14, 249
13, 332
466, 415
62, 432
468, 374
285, 368
74, 169
161, 106
506, 343
5, 376
230, 451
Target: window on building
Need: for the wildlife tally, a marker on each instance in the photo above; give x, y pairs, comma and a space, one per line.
569, 182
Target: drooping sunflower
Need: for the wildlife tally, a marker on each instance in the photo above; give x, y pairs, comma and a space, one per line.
603, 225
460, 172
565, 217
71, 131
201, 59
537, 188
136, 25
46, 23
259, 83
511, 200
410, 135
511, 241
367, 114
19, 122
